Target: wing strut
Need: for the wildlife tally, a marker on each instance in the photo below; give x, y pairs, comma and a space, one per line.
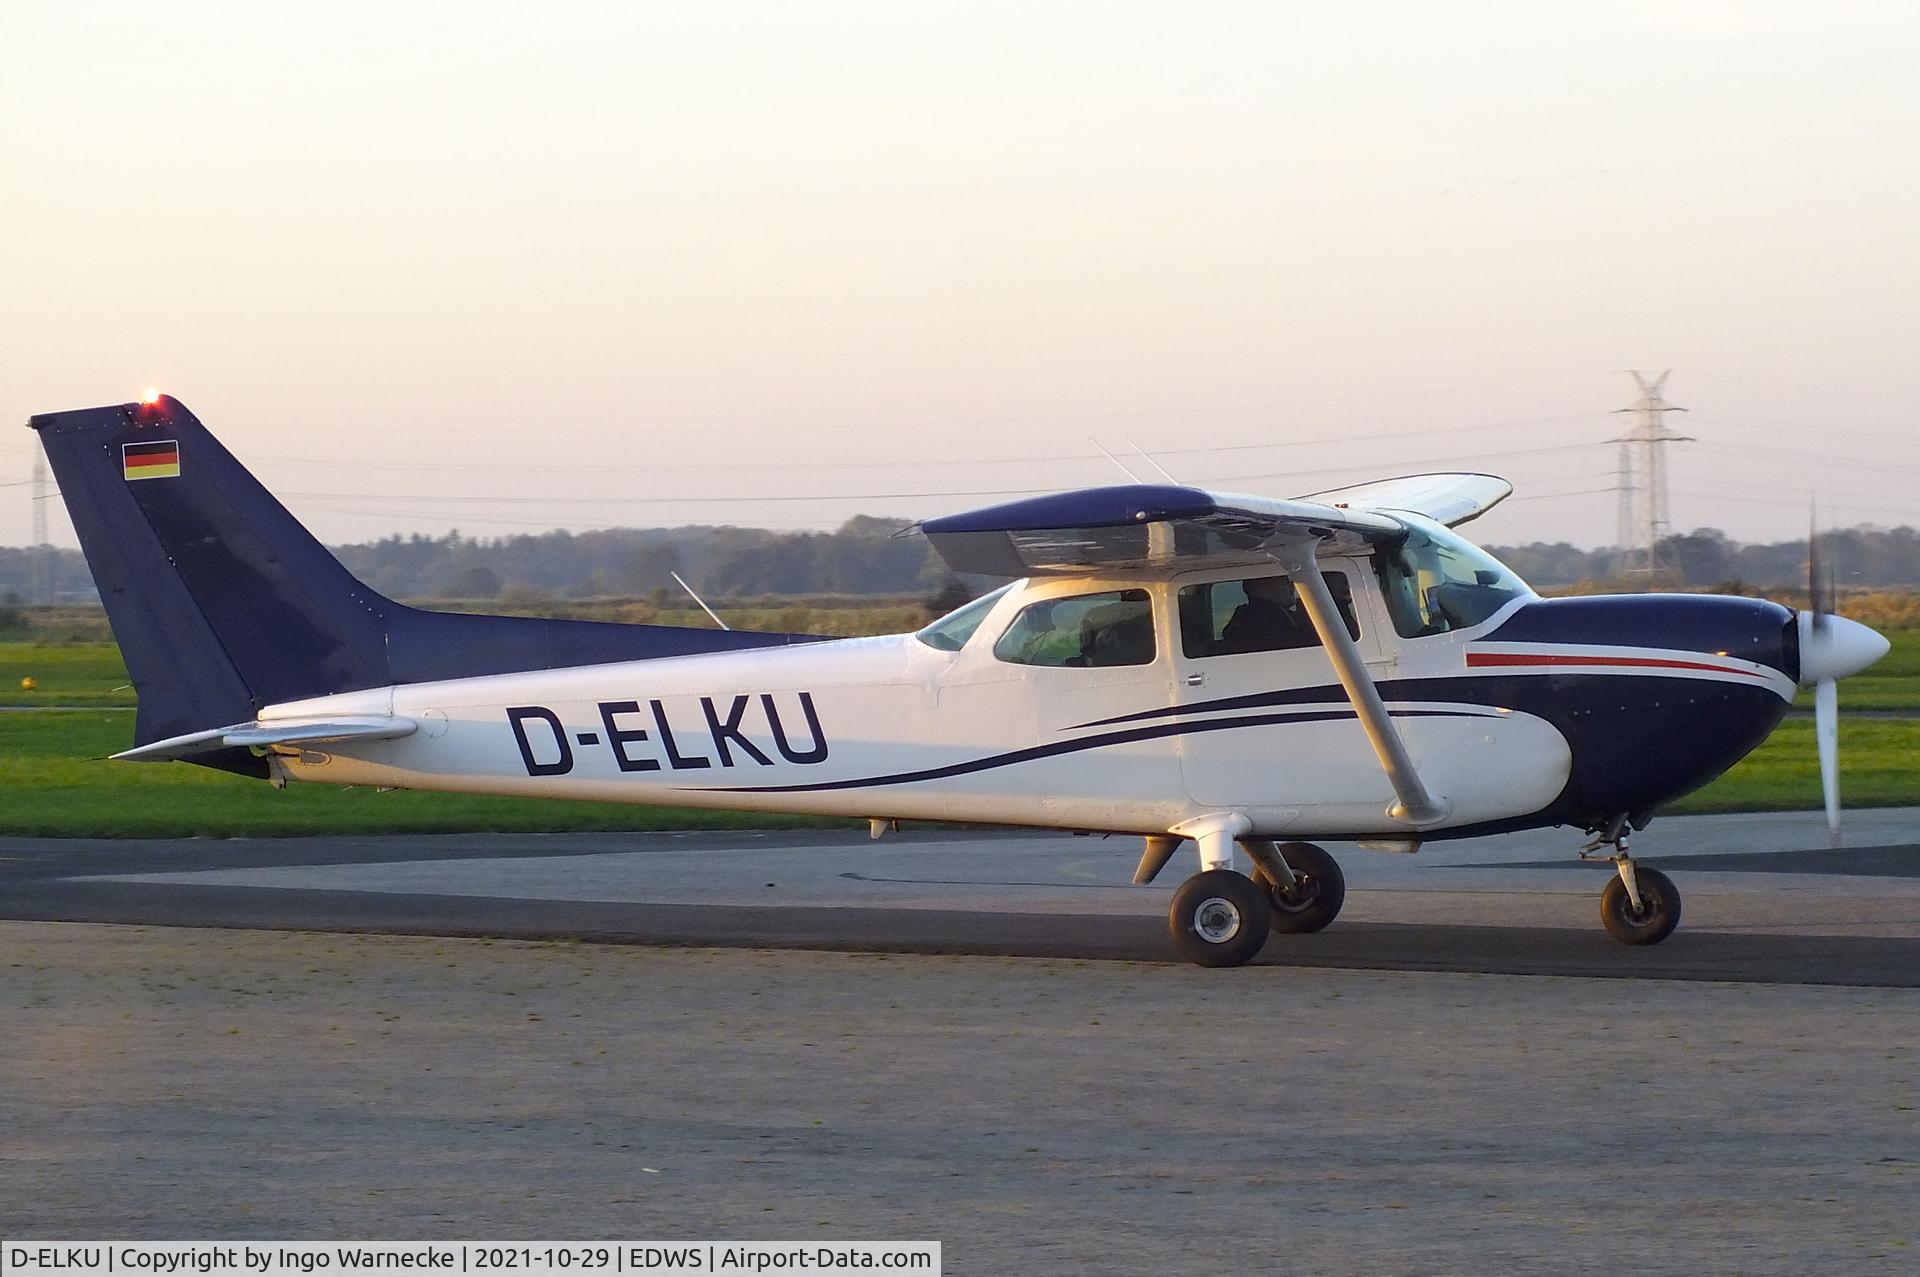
1413, 804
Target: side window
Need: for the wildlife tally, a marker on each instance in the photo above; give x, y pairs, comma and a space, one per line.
1259, 614
1088, 630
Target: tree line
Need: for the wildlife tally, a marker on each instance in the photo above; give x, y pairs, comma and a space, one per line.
864, 556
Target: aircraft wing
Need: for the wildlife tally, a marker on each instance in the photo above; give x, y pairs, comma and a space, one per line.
276, 733
1451, 499
1137, 525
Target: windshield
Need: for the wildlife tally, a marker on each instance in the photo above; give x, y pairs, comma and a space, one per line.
1436, 581
951, 632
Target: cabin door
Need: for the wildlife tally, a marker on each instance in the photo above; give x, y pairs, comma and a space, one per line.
1267, 723
1091, 655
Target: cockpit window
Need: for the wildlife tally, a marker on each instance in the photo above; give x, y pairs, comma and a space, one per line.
951, 632
1436, 581
1088, 630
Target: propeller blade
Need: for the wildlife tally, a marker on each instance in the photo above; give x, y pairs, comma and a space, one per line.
1826, 728
1821, 597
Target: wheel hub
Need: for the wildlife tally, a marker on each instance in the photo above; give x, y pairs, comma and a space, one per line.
1216, 920
1298, 895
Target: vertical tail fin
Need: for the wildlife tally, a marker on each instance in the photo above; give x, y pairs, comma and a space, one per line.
222, 602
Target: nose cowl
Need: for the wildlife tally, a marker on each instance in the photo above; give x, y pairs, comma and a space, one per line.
1836, 648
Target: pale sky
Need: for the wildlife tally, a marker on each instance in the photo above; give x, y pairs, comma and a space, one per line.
510, 267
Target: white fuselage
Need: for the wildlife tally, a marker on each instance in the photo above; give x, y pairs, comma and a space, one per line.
892, 728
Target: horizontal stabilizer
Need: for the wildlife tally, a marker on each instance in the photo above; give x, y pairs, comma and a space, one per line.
260, 735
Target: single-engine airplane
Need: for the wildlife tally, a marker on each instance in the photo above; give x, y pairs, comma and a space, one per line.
1238, 672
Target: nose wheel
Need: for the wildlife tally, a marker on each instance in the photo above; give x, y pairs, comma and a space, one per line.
1648, 920
1640, 904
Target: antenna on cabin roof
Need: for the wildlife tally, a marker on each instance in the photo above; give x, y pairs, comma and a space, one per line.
1149, 459
681, 581
1116, 461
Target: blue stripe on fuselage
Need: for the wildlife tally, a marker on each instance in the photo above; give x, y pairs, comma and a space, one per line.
1057, 748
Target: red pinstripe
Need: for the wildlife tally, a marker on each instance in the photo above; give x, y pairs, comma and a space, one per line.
1638, 662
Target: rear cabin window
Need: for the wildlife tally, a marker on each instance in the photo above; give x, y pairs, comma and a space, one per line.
1259, 614
1091, 631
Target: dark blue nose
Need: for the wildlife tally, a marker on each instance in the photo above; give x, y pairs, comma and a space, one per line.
1657, 693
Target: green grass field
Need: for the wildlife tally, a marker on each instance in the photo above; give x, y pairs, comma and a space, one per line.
1879, 767
55, 781
63, 674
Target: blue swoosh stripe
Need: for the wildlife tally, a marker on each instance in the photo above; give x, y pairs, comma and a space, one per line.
1252, 700
1057, 748
1482, 689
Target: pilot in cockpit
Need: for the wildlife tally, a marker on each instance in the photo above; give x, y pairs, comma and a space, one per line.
1270, 620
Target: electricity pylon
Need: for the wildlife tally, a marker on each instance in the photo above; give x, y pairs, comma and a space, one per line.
1643, 500
42, 587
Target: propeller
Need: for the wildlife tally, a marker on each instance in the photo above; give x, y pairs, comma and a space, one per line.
1831, 648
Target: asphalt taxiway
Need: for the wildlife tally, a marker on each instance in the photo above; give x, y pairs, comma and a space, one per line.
1765, 900
397, 1037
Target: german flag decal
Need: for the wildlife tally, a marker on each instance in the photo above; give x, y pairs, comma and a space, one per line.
157, 460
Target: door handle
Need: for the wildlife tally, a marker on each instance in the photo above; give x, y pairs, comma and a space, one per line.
1196, 680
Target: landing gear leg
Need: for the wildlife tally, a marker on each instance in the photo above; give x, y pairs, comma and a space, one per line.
1303, 883
1219, 918
1640, 904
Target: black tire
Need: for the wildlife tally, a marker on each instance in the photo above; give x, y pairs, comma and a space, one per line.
1318, 892
1219, 919
1654, 921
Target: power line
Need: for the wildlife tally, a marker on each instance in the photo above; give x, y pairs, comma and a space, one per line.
1879, 465
1912, 510
762, 499
1548, 496
1773, 386
915, 463
1800, 429
696, 499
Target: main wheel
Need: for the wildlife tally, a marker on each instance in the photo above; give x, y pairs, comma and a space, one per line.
1219, 919
1318, 890
1654, 920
